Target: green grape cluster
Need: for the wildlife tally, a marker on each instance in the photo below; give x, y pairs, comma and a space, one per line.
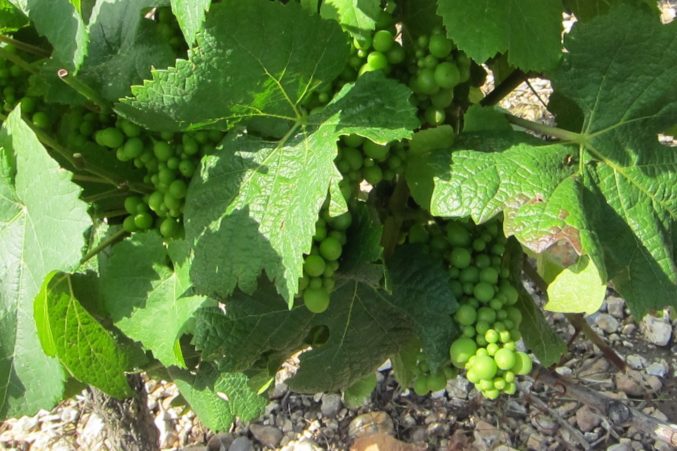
440, 76
322, 263
426, 380
361, 159
14, 89
170, 160
378, 50
487, 315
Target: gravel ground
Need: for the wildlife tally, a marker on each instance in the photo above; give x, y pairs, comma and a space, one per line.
538, 417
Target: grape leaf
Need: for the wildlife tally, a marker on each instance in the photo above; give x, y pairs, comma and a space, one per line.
253, 206
219, 398
421, 291
251, 326
419, 16
67, 331
191, 15
610, 195
147, 298
483, 28
364, 330
123, 47
62, 25
577, 289
11, 19
273, 54
353, 15
42, 226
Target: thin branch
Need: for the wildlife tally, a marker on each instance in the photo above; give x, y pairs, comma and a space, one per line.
575, 433
28, 48
618, 413
16, 59
83, 89
504, 88
559, 133
92, 253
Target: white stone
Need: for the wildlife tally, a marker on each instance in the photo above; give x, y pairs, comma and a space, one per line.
659, 369
657, 330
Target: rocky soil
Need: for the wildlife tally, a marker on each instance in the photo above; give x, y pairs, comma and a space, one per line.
538, 417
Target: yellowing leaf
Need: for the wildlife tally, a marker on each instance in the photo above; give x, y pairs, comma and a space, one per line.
577, 289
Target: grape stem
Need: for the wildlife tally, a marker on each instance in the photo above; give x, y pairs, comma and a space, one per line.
110, 214
28, 48
115, 192
83, 89
16, 59
106, 243
616, 411
559, 133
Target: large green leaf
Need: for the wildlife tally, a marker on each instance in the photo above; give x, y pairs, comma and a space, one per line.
42, 226
191, 15
219, 398
250, 327
123, 47
421, 291
529, 30
61, 23
611, 193
254, 59
146, 297
587, 9
68, 332
254, 205
353, 15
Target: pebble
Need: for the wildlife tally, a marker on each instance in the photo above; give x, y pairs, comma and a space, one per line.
615, 306
219, 442
331, 405
487, 436
563, 371
69, 415
636, 362
607, 323
302, 445
545, 423
371, 422
657, 330
269, 436
459, 388
241, 444
629, 382
659, 369
629, 329
587, 419
620, 447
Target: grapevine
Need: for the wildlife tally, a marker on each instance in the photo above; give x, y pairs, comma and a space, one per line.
212, 187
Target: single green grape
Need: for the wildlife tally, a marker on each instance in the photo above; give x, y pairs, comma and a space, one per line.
383, 41
460, 257
485, 367
505, 359
316, 299
461, 350
314, 265
109, 137
466, 315
439, 46
331, 248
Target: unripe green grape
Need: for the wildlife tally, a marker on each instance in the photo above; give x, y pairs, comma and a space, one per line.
491, 394
172, 203
492, 348
341, 222
362, 42
424, 82
465, 315
514, 314
178, 189
190, 146
510, 345
505, 359
328, 283
491, 336
504, 336
522, 365
130, 129
316, 299
375, 151
132, 203
485, 367
315, 282
373, 175
436, 381
396, 55
170, 228
129, 225
156, 201
472, 376
485, 384
484, 292
383, 41
446, 75
28, 105
109, 137
434, 116
352, 157
461, 350
173, 162
489, 275
143, 221
314, 265
439, 46
443, 99
460, 257
330, 248
496, 304
510, 388
457, 234
480, 340
468, 331
486, 314
421, 386
320, 232
163, 151
429, 62
133, 148
482, 261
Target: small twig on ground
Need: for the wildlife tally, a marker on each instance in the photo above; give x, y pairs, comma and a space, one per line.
540, 405
616, 412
